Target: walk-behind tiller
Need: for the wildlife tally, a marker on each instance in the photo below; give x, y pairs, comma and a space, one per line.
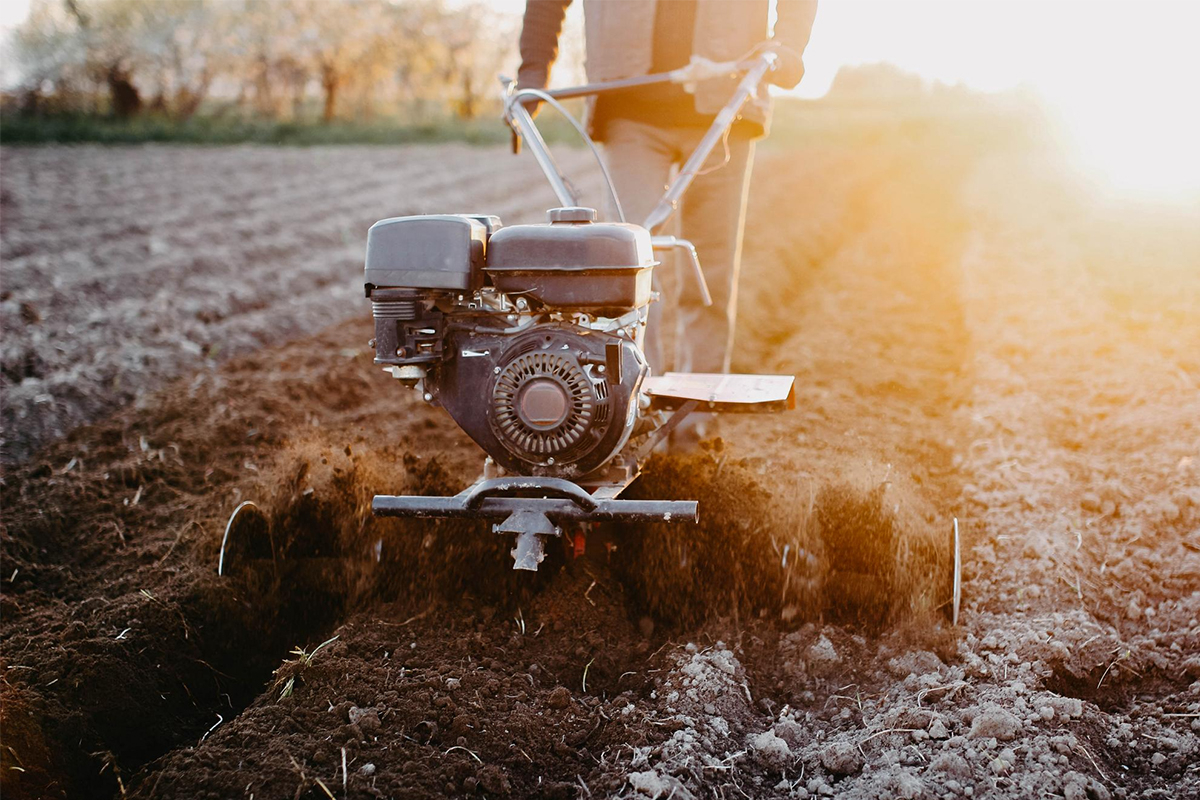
531, 337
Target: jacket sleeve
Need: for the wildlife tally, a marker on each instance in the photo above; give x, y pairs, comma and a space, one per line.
793, 27
539, 41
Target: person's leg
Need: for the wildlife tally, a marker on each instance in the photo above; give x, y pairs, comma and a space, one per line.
639, 159
713, 215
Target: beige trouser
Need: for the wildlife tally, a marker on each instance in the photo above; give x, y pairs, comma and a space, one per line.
641, 159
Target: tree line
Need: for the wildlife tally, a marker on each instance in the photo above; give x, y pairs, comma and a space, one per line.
276, 59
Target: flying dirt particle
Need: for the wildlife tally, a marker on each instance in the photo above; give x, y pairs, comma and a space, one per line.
995, 723
367, 769
842, 758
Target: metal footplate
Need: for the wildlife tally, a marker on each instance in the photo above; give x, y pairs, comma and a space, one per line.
722, 393
533, 508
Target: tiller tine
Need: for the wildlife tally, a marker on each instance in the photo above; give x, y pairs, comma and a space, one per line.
532, 509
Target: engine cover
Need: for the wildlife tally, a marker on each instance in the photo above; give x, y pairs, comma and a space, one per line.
556, 400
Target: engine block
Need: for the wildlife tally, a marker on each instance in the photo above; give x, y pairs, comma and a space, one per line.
529, 336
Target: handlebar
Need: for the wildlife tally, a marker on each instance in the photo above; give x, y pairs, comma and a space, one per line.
698, 70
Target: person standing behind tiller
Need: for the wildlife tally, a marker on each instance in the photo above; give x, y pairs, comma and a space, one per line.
646, 132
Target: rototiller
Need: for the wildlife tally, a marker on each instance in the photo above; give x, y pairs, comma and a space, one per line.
531, 337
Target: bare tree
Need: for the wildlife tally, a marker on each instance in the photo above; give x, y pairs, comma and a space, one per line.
352, 58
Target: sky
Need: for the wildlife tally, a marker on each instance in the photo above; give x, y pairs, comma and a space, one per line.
1120, 74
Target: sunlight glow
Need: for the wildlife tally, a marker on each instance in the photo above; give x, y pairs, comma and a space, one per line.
1120, 77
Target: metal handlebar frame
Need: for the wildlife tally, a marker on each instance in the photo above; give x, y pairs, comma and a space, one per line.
523, 125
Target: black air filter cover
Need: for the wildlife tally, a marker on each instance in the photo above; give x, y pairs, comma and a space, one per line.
573, 263
427, 252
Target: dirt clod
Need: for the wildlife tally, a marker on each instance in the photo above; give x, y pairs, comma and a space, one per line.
995, 723
493, 780
559, 698
842, 759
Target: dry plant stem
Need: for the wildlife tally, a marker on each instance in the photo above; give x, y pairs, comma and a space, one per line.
881, 733
1095, 766
465, 750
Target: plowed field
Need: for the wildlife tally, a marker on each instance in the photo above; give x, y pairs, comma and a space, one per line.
975, 336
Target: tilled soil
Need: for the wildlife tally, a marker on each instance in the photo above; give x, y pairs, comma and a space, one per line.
973, 337
126, 266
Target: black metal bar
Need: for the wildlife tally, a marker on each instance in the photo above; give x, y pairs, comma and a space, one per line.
613, 357
665, 429
559, 510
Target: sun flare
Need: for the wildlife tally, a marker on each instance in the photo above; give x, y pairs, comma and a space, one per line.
1119, 78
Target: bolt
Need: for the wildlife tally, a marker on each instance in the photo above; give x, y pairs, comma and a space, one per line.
495, 370
371, 343
550, 460
428, 397
600, 368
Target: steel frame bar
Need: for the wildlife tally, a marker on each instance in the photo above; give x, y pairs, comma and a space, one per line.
556, 509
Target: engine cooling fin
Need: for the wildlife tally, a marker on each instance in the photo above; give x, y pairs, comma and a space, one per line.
544, 406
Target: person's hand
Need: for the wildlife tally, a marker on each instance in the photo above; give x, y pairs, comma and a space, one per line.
531, 80
532, 104
789, 69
